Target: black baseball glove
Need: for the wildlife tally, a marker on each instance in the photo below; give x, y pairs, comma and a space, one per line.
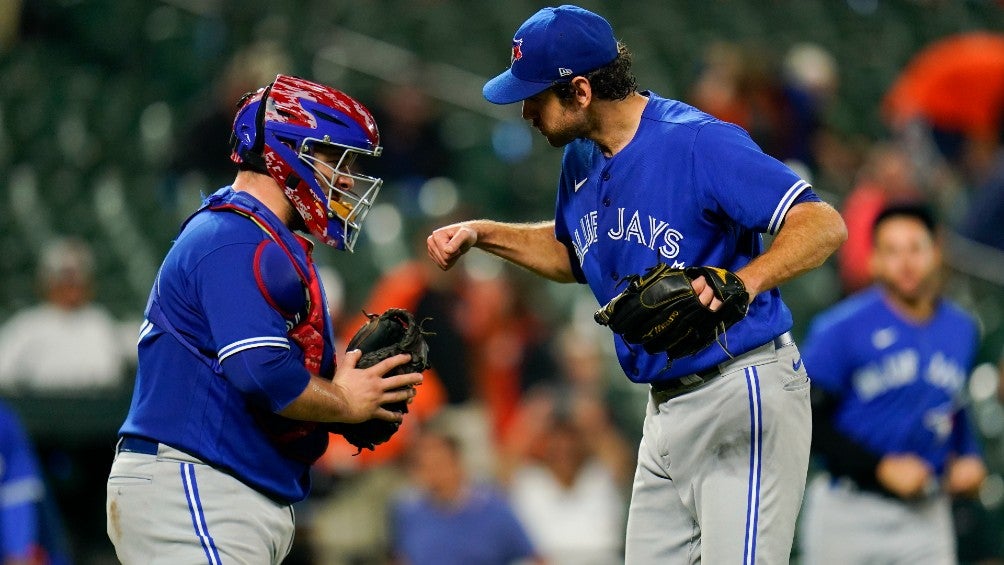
389, 334
660, 310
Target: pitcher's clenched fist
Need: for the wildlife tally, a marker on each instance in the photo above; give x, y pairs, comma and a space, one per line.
448, 243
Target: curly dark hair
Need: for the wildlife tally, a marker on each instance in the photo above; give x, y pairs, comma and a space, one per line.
613, 81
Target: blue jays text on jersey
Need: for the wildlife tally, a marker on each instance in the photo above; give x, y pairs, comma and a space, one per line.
687, 190
900, 382
651, 232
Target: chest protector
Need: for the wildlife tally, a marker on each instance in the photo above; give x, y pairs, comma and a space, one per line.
295, 439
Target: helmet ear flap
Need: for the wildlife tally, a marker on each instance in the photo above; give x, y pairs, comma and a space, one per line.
253, 156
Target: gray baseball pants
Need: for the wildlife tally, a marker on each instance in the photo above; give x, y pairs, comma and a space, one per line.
722, 468
170, 508
843, 525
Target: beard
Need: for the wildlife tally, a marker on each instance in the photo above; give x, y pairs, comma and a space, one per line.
564, 132
559, 138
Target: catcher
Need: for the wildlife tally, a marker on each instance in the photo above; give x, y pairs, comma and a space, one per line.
660, 210
237, 381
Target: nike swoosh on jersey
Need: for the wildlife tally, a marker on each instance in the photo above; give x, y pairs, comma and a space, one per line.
796, 364
579, 184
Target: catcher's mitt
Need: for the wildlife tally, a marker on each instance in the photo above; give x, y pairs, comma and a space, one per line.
660, 310
389, 334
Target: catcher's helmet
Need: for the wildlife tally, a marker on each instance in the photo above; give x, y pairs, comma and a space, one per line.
283, 138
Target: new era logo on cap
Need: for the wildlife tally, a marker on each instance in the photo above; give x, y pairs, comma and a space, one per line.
553, 45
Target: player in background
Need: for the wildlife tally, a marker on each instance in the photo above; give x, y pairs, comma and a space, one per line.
889, 368
725, 450
21, 493
237, 373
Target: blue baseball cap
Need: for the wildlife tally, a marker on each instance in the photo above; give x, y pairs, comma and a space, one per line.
554, 45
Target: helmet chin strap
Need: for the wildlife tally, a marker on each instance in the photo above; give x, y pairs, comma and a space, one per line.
296, 221
297, 224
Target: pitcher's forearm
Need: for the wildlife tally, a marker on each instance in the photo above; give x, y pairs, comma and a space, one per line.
812, 231
531, 246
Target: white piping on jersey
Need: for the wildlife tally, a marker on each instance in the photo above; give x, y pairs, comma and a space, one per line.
784, 204
250, 343
144, 329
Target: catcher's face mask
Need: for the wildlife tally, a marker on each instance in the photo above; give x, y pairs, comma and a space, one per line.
281, 130
349, 193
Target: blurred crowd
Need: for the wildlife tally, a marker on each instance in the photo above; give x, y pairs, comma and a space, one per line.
520, 445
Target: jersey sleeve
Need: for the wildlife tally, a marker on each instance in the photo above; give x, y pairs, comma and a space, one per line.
741, 182
573, 259
249, 331
272, 379
563, 234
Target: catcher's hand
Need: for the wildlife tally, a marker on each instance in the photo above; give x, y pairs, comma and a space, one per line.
389, 334
660, 310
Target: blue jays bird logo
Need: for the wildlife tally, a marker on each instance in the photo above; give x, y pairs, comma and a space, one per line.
517, 51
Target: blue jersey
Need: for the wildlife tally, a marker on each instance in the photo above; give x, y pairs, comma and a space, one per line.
688, 190
218, 357
899, 382
21, 490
